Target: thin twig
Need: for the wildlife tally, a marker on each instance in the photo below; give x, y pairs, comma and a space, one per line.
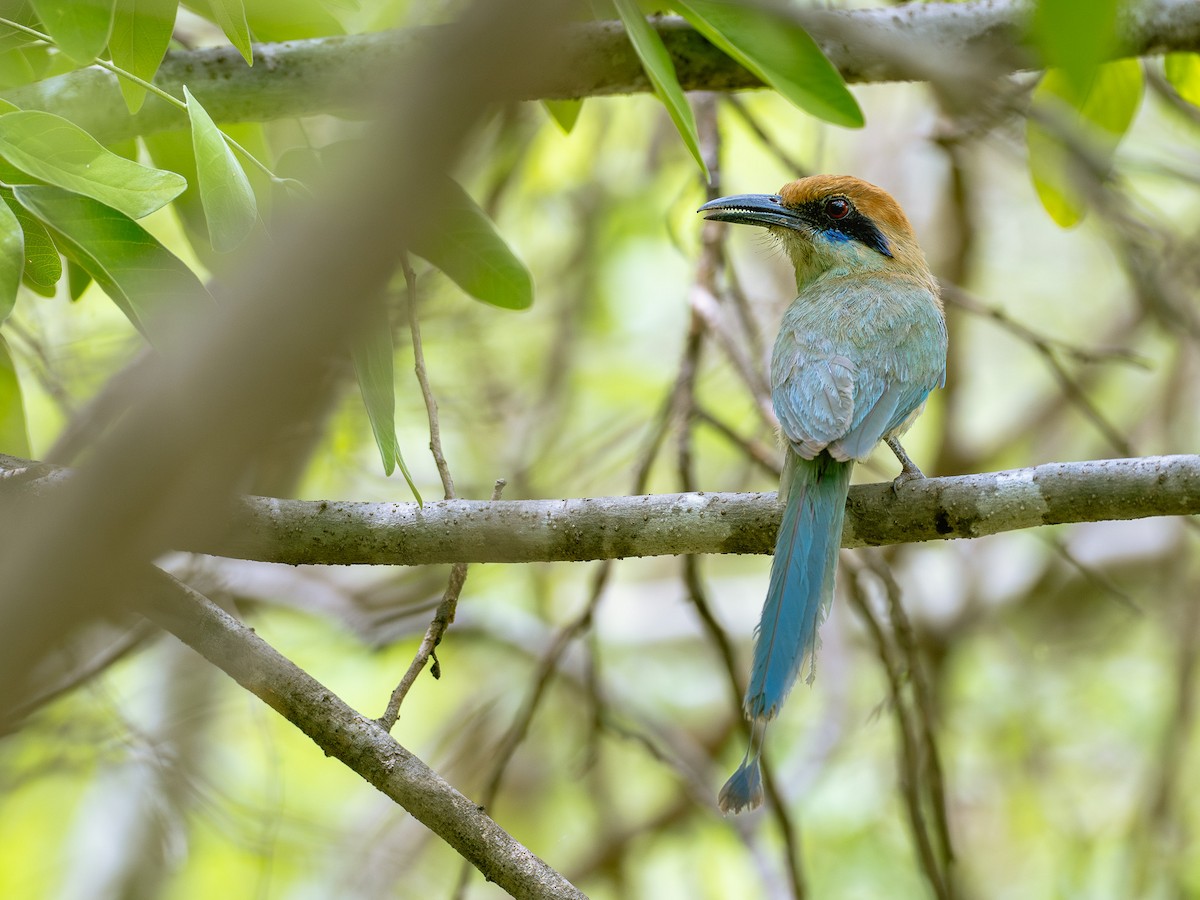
547, 666
925, 713
790, 162
87, 670
1160, 839
446, 609
1046, 347
910, 766
756, 452
431, 408
442, 619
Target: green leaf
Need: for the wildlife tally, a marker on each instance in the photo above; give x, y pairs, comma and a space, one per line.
661, 71
769, 43
290, 20
1050, 167
141, 276
21, 12
24, 65
373, 365
43, 264
14, 435
1076, 37
79, 27
141, 33
231, 16
467, 248
12, 259
1101, 117
564, 112
61, 153
225, 191
1183, 73
77, 280
1115, 97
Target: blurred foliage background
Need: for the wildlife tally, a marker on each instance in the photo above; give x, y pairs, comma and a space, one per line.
593, 707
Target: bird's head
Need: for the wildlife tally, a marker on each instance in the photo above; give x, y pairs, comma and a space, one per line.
834, 224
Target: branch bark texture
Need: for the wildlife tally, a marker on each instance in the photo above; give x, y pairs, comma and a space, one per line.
353, 739
519, 531
912, 42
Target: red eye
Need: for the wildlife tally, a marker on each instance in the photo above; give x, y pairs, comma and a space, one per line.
837, 207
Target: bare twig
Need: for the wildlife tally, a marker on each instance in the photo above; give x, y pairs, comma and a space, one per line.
909, 752
766, 460
793, 165
443, 618
431, 407
116, 650
1046, 348
924, 712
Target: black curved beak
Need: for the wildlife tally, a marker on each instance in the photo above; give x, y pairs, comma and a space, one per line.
752, 209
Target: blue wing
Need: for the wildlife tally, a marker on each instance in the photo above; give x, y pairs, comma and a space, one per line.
853, 363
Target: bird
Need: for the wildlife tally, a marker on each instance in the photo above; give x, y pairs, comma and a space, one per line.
858, 351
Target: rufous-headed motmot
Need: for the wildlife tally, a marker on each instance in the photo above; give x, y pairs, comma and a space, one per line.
858, 351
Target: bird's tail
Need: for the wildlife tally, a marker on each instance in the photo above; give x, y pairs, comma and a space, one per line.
798, 599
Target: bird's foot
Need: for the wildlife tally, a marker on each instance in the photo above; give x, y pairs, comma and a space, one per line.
908, 471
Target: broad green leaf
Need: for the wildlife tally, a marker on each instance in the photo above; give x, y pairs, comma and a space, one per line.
373, 355
21, 12
6, 107
771, 45
1076, 37
12, 259
43, 264
564, 112
225, 191
468, 249
126, 149
61, 153
138, 273
290, 20
141, 32
1115, 97
24, 65
661, 72
14, 435
172, 150
77, 279
1050, 167
79, 27
1183, 73
231, 16
1101, 116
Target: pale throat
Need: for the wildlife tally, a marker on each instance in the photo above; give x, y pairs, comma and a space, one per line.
823, 256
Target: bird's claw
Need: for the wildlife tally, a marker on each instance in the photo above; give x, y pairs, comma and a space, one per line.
909, 470
907, 474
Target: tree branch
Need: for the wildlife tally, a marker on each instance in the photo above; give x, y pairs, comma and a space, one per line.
913, 42
516, 531
353, 739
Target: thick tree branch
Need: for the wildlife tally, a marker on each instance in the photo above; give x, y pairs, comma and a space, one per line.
914, 42
353, 739
516, 531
